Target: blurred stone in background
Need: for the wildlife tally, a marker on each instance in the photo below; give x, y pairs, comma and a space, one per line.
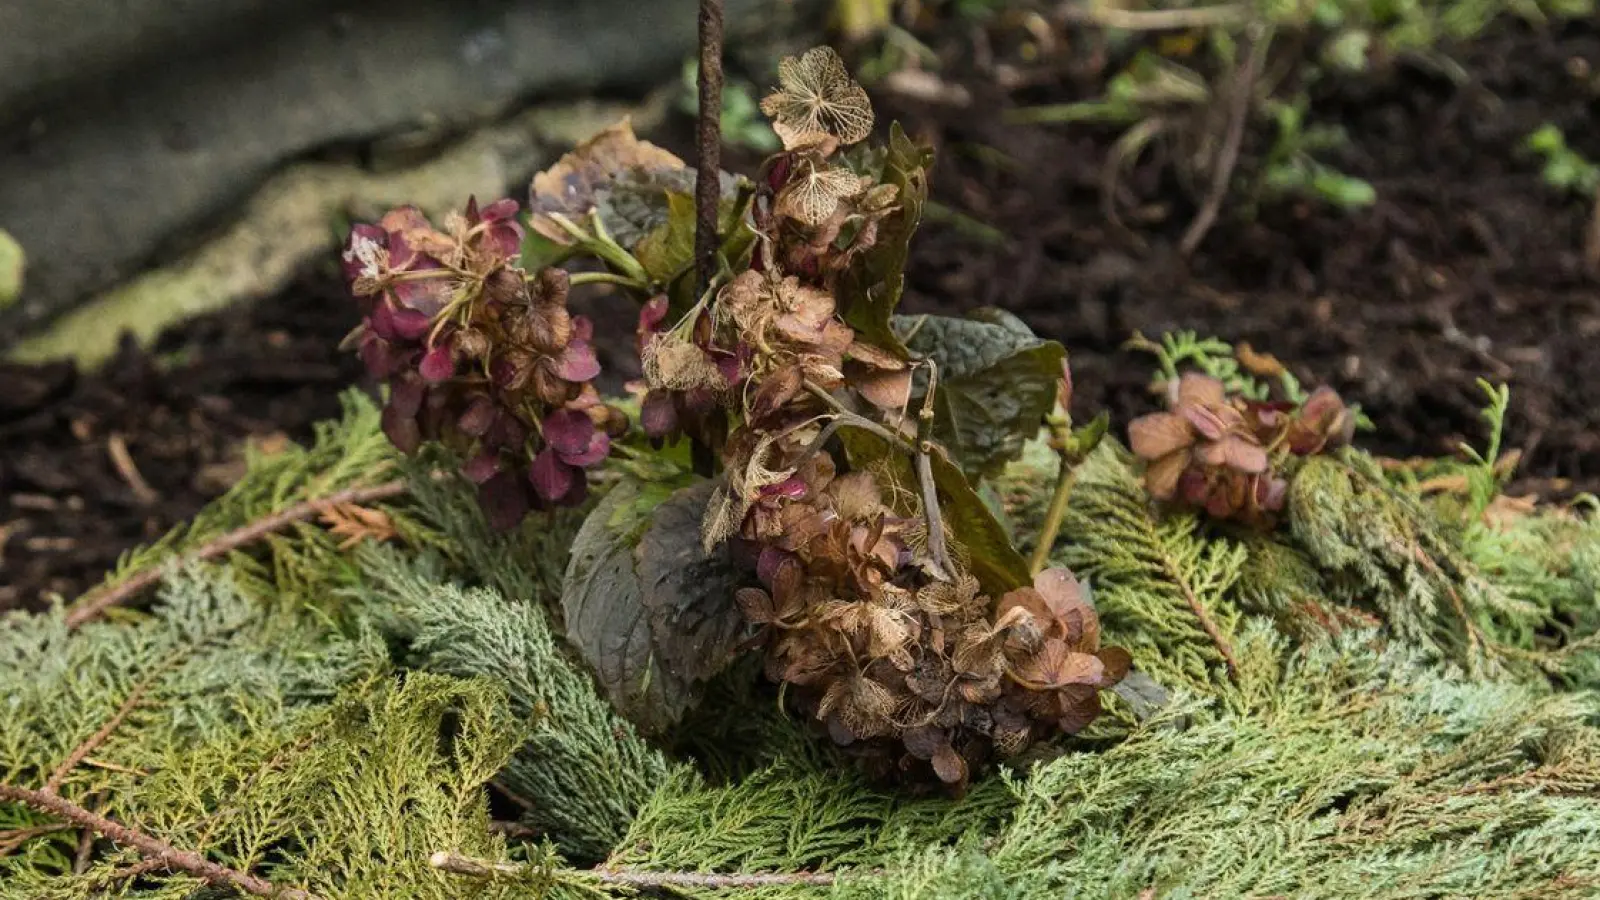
131, 128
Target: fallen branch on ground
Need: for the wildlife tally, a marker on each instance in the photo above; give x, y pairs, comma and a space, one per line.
95, 603
470, 867
150, 847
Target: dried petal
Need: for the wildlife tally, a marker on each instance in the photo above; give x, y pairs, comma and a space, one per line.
482, 467
658, 414
438, 365
402, 430
1156, 435
756, 605
578, 363
504, 501
568, 431
479, 416
1235, 452
1201, 390
598, 448
817, 191
818, 97
949, 766
553, 480
1161, 478
775, 392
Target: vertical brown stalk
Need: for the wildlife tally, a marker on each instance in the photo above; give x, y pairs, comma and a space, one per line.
708, 168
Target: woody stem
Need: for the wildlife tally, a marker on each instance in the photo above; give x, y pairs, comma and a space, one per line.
708, 165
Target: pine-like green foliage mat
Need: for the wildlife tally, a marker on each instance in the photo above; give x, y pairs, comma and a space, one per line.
330, 719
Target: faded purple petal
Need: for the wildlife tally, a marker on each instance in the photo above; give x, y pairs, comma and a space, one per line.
500, 209
482, 467
381, 321
652, 314
425, 295
504, 240
351, 262
438, 364
378, 356
406, 395
767, 565
790, 489
578, 363
582, 329
552, 479
599, 447
401, 429
504, 500
505, 432
568, 431
658, 414
401, 254
479, 416
409, 324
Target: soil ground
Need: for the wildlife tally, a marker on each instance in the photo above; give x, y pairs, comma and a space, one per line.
1466, 267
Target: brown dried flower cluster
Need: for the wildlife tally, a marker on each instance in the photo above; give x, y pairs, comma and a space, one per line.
917, 673
899, 657
1217, 452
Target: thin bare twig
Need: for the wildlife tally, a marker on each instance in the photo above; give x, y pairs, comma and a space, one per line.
470, 867
1244, 91
1155, 19
708, 166
93, 604
1224, 648
122, 461
150, 847
12, 838
931, 511
516, 831
82, 751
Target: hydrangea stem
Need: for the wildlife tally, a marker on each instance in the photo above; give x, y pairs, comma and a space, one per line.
1053, 516
708, 166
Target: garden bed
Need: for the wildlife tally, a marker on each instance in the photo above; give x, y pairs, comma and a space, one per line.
1467, 266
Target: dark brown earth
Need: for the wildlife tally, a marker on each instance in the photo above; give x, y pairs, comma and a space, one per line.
1467, 267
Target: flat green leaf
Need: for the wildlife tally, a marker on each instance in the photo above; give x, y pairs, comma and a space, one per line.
973, 533
870, 289
997, 382
667, 251
650, 612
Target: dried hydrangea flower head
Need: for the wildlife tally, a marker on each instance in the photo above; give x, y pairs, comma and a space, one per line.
478, 358
1216, 452
905, 671
817, 102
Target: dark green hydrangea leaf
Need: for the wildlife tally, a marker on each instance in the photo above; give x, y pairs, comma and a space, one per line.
870, 289
651, 613
997, 382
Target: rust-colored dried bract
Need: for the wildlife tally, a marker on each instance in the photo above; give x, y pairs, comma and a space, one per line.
1217, 452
